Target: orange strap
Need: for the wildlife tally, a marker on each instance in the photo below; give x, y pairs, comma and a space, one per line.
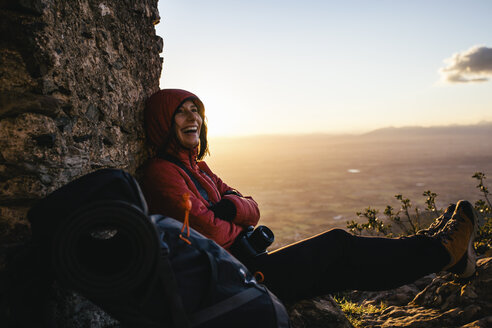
259, 276
186, 223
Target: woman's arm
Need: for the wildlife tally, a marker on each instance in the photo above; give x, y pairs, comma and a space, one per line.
165, 183
247, 211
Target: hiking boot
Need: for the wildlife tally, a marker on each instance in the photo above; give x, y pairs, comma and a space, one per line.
438, 223
457, 237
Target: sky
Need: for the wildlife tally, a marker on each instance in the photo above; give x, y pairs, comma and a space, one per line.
302, 67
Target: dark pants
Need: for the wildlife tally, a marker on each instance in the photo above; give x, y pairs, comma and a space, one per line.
336, 260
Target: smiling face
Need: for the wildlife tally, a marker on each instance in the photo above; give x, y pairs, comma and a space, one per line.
187, 124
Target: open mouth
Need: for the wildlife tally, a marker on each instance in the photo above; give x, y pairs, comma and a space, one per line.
190, 130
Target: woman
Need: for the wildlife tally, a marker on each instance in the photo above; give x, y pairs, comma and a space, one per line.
332, 261
218, 212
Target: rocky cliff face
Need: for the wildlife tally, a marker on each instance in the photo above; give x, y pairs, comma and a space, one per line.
74, 76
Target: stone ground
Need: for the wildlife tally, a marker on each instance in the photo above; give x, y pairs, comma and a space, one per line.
434, 301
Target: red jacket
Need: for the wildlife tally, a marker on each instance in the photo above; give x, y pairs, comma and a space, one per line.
164, 183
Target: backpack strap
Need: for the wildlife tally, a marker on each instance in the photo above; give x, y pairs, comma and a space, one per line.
177, 162
225, 306
168, 280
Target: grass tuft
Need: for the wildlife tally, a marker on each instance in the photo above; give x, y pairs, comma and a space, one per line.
354, 311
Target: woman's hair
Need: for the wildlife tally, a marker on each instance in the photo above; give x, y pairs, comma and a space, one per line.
203, 145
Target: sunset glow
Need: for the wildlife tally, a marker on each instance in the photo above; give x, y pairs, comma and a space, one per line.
281, 67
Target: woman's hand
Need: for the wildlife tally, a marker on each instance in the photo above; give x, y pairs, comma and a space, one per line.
224, 209
233, 192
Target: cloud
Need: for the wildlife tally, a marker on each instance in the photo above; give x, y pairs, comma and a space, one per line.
472, 65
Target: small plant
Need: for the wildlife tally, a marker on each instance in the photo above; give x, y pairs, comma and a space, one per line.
483, 206
355, 312
431, 201
410, 224
483, 242
355, 228
374, 225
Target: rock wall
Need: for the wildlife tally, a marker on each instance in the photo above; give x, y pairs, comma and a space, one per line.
74, 76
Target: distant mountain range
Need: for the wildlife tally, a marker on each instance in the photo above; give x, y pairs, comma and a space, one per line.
482, 129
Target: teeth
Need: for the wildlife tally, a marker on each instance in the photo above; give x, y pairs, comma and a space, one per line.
194, 129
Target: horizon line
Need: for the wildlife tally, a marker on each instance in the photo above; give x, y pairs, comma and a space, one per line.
348, 133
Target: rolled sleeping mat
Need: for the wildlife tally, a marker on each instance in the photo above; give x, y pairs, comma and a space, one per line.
105, 249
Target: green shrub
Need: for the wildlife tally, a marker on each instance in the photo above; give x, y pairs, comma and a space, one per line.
408, 223
483, 242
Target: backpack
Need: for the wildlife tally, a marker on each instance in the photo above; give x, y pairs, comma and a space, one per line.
100, 242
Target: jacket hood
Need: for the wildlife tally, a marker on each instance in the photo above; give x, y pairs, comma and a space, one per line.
159, 113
